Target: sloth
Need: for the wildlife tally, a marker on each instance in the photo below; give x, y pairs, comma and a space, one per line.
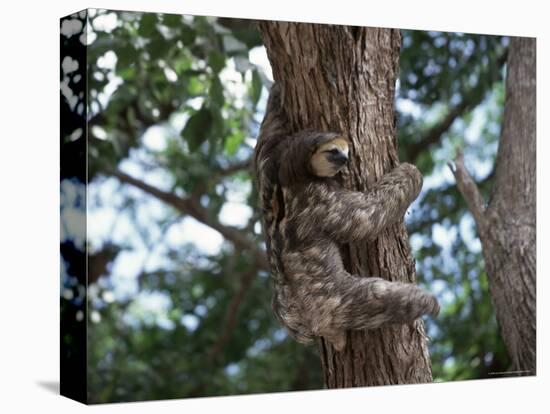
308, 216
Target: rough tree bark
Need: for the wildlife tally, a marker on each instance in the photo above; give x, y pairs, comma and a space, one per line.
507, 225
341, 78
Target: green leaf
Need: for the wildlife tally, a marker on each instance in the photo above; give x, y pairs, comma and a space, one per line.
256, 87
126, 73
233, 142
218, 124
187, 35
131, 116
147, 24
172, 20
216, 92
158, 47
216, 61
217, 128
126, 56
197, 128
182, 64
195, 86
249, 36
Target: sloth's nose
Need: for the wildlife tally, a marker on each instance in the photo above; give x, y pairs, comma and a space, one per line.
339, 158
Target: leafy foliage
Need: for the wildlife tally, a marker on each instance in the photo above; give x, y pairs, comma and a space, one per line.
175, 101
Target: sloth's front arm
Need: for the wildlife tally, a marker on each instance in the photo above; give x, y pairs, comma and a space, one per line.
347, 215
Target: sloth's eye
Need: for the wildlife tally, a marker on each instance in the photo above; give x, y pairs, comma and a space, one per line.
333, 151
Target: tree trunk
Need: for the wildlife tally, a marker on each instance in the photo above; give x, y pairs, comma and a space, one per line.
507, 226
342, 79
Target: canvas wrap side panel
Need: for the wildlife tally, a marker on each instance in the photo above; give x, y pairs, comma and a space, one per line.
73, 183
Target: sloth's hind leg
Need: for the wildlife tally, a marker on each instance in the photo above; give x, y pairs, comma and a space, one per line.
371, 302
334, 301
347, 302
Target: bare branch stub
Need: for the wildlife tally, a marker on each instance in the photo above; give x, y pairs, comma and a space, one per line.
469, 190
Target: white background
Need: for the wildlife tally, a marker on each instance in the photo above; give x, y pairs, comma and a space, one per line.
29, 222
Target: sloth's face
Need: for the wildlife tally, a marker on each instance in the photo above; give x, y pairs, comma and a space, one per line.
330, 158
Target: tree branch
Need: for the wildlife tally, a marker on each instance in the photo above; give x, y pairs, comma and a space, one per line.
221, 173
191, 207
469, 190
233, 168
435, 133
